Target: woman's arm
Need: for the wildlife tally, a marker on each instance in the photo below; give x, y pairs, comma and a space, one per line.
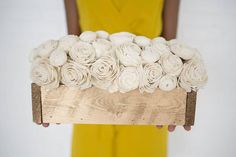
170, 18
72, 17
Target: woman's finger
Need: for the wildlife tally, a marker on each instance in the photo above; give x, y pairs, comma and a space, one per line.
171, 128
159, 126
187, 128
45, 125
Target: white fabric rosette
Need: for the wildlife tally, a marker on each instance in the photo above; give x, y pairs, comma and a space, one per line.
142, 41
58, 57
44, 50
44, 74
182, 50
128, 79
171, 64
128, 54
158, 40
75, 75
66, 42
88, 36
150, 54
150, 76
102, 47
83, 53
193, 75
161, 47
168, 82
102, 34
104, 71
121, 38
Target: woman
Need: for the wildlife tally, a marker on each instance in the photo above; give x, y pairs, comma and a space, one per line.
150, 18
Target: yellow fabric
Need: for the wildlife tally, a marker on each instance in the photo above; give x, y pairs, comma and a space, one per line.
141, 17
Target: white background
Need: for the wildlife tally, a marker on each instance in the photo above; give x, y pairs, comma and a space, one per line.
209, 25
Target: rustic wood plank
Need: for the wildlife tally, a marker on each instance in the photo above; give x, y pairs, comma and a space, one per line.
36, 103
96, 106
190, 108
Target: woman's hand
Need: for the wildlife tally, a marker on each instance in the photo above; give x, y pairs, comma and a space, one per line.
171, 128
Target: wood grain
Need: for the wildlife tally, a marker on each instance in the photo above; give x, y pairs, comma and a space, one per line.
36, 103
190, 108
96, 106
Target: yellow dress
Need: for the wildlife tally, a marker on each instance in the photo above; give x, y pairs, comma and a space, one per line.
141, 17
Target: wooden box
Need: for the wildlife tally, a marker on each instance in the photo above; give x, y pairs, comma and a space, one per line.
96, 106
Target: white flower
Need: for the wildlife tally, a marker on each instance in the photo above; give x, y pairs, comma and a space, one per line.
171, 64
58, 57
142, 41
102, 47
75, 75
128, 79
150, 54
102, 34
161, 48
44, 50
158, 40
66, 42
104, 71
121, 38
129, 54
168, 82
88, 36
193, 75
150, 76
44, 74
83, 53
183, 51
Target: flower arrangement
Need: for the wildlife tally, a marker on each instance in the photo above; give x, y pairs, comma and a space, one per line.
117, 62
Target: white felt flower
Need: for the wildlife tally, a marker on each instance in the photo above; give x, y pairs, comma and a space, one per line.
129, 54
182, 50
150, 54
158, 40
150, 75
168, 82
88, 36
44, 74
44, 50
58, 57
102, 47
104, 71
142, 41
83, 53
171, 64
161, 48
102, 34
75, 75
193, 75
121, 38
66, 42
128, 79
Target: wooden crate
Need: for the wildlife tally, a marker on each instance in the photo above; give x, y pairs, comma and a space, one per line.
96, 106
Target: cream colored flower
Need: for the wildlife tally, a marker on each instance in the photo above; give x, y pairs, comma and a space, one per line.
83, 53
158, 40
102, 34
150, 76
44, 74
168, 82
161, 48
150, 54
104, 71
182, 50
58, 57
44, 50
88, 36
129, 54
121, 38
66, 42
128, 79
75, 75
142, 41
193, 75
171, 64
102, 47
